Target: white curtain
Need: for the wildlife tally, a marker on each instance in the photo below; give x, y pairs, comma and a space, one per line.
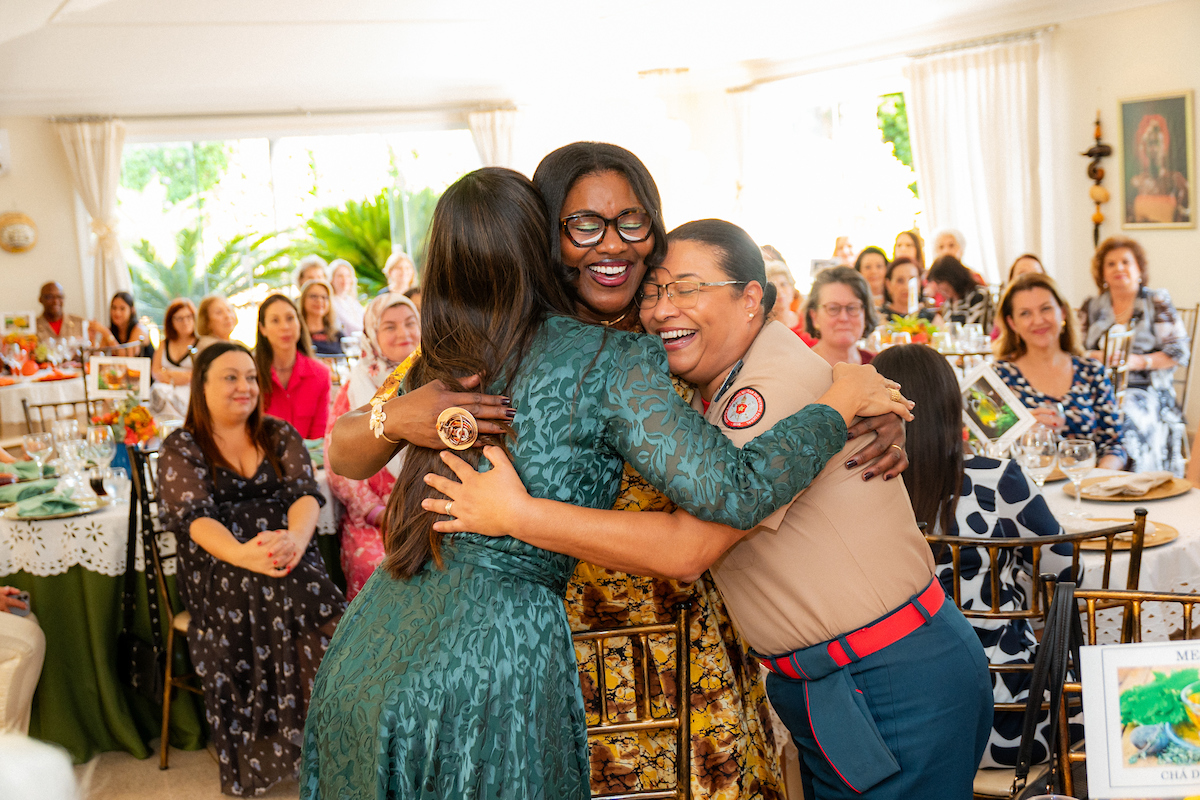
974, 118
93, 151
493, 132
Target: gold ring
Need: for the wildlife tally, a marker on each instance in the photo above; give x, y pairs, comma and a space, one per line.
452, 503
457, 428
895, 395
898, 447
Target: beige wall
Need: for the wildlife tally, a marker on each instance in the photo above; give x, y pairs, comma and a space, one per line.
39, 185
1096, 61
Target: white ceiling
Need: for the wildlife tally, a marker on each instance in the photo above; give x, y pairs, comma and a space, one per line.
149, 57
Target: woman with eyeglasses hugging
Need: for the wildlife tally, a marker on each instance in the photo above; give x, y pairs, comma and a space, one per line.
908, 714
839, 313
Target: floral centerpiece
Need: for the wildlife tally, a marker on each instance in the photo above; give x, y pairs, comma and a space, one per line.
131, 422
921, 330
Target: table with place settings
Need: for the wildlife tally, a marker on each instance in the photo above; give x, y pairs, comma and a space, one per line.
73, 569
1170, 567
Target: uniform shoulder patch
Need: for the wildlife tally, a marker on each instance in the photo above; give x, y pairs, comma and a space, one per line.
744, 409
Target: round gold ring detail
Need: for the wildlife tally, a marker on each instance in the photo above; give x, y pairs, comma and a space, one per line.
457, 428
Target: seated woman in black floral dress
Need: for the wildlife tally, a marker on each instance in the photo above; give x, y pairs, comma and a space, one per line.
237, 490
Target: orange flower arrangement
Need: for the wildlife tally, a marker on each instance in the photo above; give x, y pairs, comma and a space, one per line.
139, 426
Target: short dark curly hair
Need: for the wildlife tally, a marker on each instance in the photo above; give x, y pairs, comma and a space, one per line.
1117, 243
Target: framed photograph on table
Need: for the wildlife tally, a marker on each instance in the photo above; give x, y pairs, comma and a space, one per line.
1158, 165
22, 323
1141, 711
118, 377
990, 409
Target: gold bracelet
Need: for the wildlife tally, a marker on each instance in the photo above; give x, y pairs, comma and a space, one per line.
378, 418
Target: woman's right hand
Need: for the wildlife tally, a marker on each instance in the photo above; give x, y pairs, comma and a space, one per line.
268, 553
865, 392
1049, 417
413, 416
491, 503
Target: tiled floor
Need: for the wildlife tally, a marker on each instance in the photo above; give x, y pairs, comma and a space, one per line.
192, 776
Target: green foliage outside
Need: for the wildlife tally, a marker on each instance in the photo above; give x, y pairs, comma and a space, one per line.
361, 233
1157, 701
893, 124
241, 263
185, 169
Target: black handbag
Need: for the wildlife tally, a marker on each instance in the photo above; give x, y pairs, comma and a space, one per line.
141, 664
1057, 658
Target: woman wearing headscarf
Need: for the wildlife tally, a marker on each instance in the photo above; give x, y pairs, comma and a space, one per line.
391, 332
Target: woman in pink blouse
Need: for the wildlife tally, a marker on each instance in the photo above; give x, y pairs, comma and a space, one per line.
391, 331
294, 385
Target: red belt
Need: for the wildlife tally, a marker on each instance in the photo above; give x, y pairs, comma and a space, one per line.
873, 638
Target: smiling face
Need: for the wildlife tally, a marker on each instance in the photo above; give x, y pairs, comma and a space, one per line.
280, 327
222, 319
399, 333
611, 270
119, 312
897, 285
1036, 317
231, 388
705, 341
845, 327
1121, 271
873, 268
51, 298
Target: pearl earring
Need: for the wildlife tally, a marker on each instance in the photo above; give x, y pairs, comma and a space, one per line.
750, 315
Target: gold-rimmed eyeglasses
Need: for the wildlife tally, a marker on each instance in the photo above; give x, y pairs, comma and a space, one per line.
683, 294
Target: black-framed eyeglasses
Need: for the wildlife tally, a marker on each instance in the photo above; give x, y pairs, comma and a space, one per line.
585, 230
683, 294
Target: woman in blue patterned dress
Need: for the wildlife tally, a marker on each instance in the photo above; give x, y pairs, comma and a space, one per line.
457, 678
1154, 430
984, 498
1038, 356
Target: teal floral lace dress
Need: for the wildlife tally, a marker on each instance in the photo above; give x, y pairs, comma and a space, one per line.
462, 682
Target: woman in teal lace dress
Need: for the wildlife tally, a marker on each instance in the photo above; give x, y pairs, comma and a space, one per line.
457, 678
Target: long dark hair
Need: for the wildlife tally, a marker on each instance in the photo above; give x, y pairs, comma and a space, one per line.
935, 447
122, 336
264, 355
488, 287
199, 420
948, 269
738, 256
557, 173
887, 277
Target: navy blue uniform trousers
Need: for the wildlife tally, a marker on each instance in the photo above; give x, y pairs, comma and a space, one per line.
930, 696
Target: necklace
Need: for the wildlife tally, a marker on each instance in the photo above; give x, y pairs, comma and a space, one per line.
617, 321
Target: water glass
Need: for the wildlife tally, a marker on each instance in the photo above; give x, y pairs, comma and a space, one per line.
74, 483
65, 430
901, 337
116, 484
39, 447
942, 342
1077, 457
1037, 451
102, 445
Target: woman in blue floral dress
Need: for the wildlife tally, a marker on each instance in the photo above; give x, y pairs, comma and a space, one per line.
457, 678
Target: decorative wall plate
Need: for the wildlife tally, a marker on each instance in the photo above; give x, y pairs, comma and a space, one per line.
17, 232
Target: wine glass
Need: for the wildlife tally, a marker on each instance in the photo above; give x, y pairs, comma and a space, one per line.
39, 447
116, 484
1037, 450
65, 430
102, 447
1077, 457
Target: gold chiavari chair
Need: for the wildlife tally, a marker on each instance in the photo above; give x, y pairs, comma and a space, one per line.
992, 783
40, 416
1091, 601
679, 722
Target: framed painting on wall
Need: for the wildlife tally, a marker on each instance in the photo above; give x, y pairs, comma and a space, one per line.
1158, 165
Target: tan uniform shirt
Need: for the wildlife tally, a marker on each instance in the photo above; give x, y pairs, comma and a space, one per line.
71, 326
844, 552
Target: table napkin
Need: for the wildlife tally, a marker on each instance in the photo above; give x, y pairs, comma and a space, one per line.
1134, 485
25, 470
15, 492
46, 504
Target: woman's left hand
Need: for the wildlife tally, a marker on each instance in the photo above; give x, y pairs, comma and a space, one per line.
884, 456
489, 502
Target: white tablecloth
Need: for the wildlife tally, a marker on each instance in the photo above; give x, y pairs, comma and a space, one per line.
12, 414
1172, 567
97, 541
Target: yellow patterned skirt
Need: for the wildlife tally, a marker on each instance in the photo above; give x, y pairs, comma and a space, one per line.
733, 753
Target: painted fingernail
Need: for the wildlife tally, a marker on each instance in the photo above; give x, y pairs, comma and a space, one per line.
849, 435
506, 401
868, 475
887, 477
269, 554
851, 464
511, 413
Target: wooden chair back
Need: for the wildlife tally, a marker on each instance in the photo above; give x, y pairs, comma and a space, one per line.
1001, 783
40, 416
1116, 347
679, 722
1133, 601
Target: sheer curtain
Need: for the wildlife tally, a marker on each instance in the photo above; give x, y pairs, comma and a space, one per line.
93, 149
976, 120
493, 133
